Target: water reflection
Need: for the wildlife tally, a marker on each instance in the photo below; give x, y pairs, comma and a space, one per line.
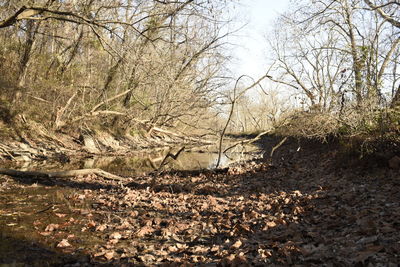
141, 163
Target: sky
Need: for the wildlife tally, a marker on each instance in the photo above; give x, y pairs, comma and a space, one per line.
251, 51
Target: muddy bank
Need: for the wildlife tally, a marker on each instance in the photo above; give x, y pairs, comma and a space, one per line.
41, 144
125, 155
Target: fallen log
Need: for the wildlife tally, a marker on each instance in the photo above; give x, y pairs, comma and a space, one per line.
60, 174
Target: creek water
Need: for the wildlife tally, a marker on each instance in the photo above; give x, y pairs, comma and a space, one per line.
144, 162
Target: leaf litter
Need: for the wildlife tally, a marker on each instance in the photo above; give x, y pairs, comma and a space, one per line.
303, 211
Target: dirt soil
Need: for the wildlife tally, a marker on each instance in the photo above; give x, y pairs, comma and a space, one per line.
310, 206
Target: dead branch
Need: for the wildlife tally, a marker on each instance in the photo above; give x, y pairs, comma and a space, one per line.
58, 122
163, 162
247, 141
6, 150
94, 113
277, 146
232, 109
160, 130
60, 174
171, 155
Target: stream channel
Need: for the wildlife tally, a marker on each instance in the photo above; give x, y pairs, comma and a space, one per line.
28, 209
140, 163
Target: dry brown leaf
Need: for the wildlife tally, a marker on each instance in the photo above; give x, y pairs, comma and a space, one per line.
268, 207
147, 258
271, 224
124, 225
109, 255
182, 226
45, 233
91, 224
201, 249
236, 245
100, 253
134, 213
297, 193
37, 222
115, 235
63, 244
212, 200
241, 228
51, 227
101, 227
205, 206
173, 249
145, 230
158, 205
215, 248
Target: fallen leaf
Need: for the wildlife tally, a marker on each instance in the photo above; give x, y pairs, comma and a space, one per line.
45, 233
158, 205
115, 235
63, 244
91, 224
124, 225
182, 226
101, 227
201, 249
236, 245
51, 227
134, 213
145, 230
109, 255
147, 258
98, 254
173, 249
181, 246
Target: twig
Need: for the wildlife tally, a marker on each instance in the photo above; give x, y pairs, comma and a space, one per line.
277, 146
248, 141
45, 209
170, 155
5, 149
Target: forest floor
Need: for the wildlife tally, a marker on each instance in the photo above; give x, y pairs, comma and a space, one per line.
310, 206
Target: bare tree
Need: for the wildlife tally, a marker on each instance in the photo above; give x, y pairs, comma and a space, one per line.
332, 54
117, 63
